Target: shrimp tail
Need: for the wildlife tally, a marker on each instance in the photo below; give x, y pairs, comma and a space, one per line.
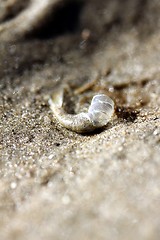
57, 99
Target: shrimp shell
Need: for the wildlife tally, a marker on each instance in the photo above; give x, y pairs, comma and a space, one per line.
99, 113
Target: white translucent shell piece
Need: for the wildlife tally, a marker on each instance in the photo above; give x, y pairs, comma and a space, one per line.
101, 110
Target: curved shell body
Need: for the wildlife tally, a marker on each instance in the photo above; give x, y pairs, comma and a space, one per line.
98, 115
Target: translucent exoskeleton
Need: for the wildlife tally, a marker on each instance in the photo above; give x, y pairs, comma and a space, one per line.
98, 115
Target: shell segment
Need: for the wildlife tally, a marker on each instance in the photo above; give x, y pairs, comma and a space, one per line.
101, 110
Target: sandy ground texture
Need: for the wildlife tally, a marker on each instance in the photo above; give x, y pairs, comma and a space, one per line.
57, 184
